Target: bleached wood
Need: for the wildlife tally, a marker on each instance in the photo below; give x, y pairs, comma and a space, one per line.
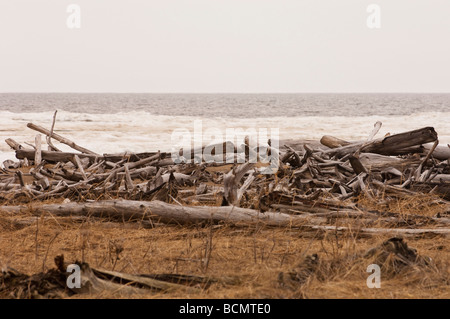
38, 154
60, 139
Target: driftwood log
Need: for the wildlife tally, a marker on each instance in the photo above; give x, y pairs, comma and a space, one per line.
389, 145
60, 138
170, 213
158, 211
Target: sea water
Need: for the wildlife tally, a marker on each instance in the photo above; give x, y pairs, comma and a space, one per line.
115, 123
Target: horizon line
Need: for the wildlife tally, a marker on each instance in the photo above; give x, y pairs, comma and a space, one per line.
109, 92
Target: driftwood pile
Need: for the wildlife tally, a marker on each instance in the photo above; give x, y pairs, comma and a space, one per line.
315, 185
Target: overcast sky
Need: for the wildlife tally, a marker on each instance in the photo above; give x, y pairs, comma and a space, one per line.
225, 46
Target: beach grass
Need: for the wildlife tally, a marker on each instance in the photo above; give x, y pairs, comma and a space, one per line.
249, 258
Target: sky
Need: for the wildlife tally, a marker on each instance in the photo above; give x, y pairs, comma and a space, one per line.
224, 46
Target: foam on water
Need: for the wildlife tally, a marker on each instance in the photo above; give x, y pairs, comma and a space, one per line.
140, 131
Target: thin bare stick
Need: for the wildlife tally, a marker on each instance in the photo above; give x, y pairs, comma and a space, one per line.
52, 147
430, 152
46, 253
36, 239
419, 169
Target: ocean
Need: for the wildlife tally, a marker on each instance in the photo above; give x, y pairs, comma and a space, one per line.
115, 123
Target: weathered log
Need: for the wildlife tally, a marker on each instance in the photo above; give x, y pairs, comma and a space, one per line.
169, 213
60, 139
164, 162
9, 185
440, 178
231, 182
356, 164
37, 154
13, 144
20, 176
441, 153
374, 161
378, 231
298, 144
181, 179
53, 157
157, 211
42, 180
215, 152
132, 157
92, 282
389, 145
333, 142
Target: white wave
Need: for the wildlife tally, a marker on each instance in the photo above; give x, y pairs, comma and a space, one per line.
142, 131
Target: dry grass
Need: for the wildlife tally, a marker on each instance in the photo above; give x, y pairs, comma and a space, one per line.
423, 204
253, 256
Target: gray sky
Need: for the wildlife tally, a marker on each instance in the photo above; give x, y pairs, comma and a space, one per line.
225, 46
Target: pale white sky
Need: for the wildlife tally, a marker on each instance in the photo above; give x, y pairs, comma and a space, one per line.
224, 46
